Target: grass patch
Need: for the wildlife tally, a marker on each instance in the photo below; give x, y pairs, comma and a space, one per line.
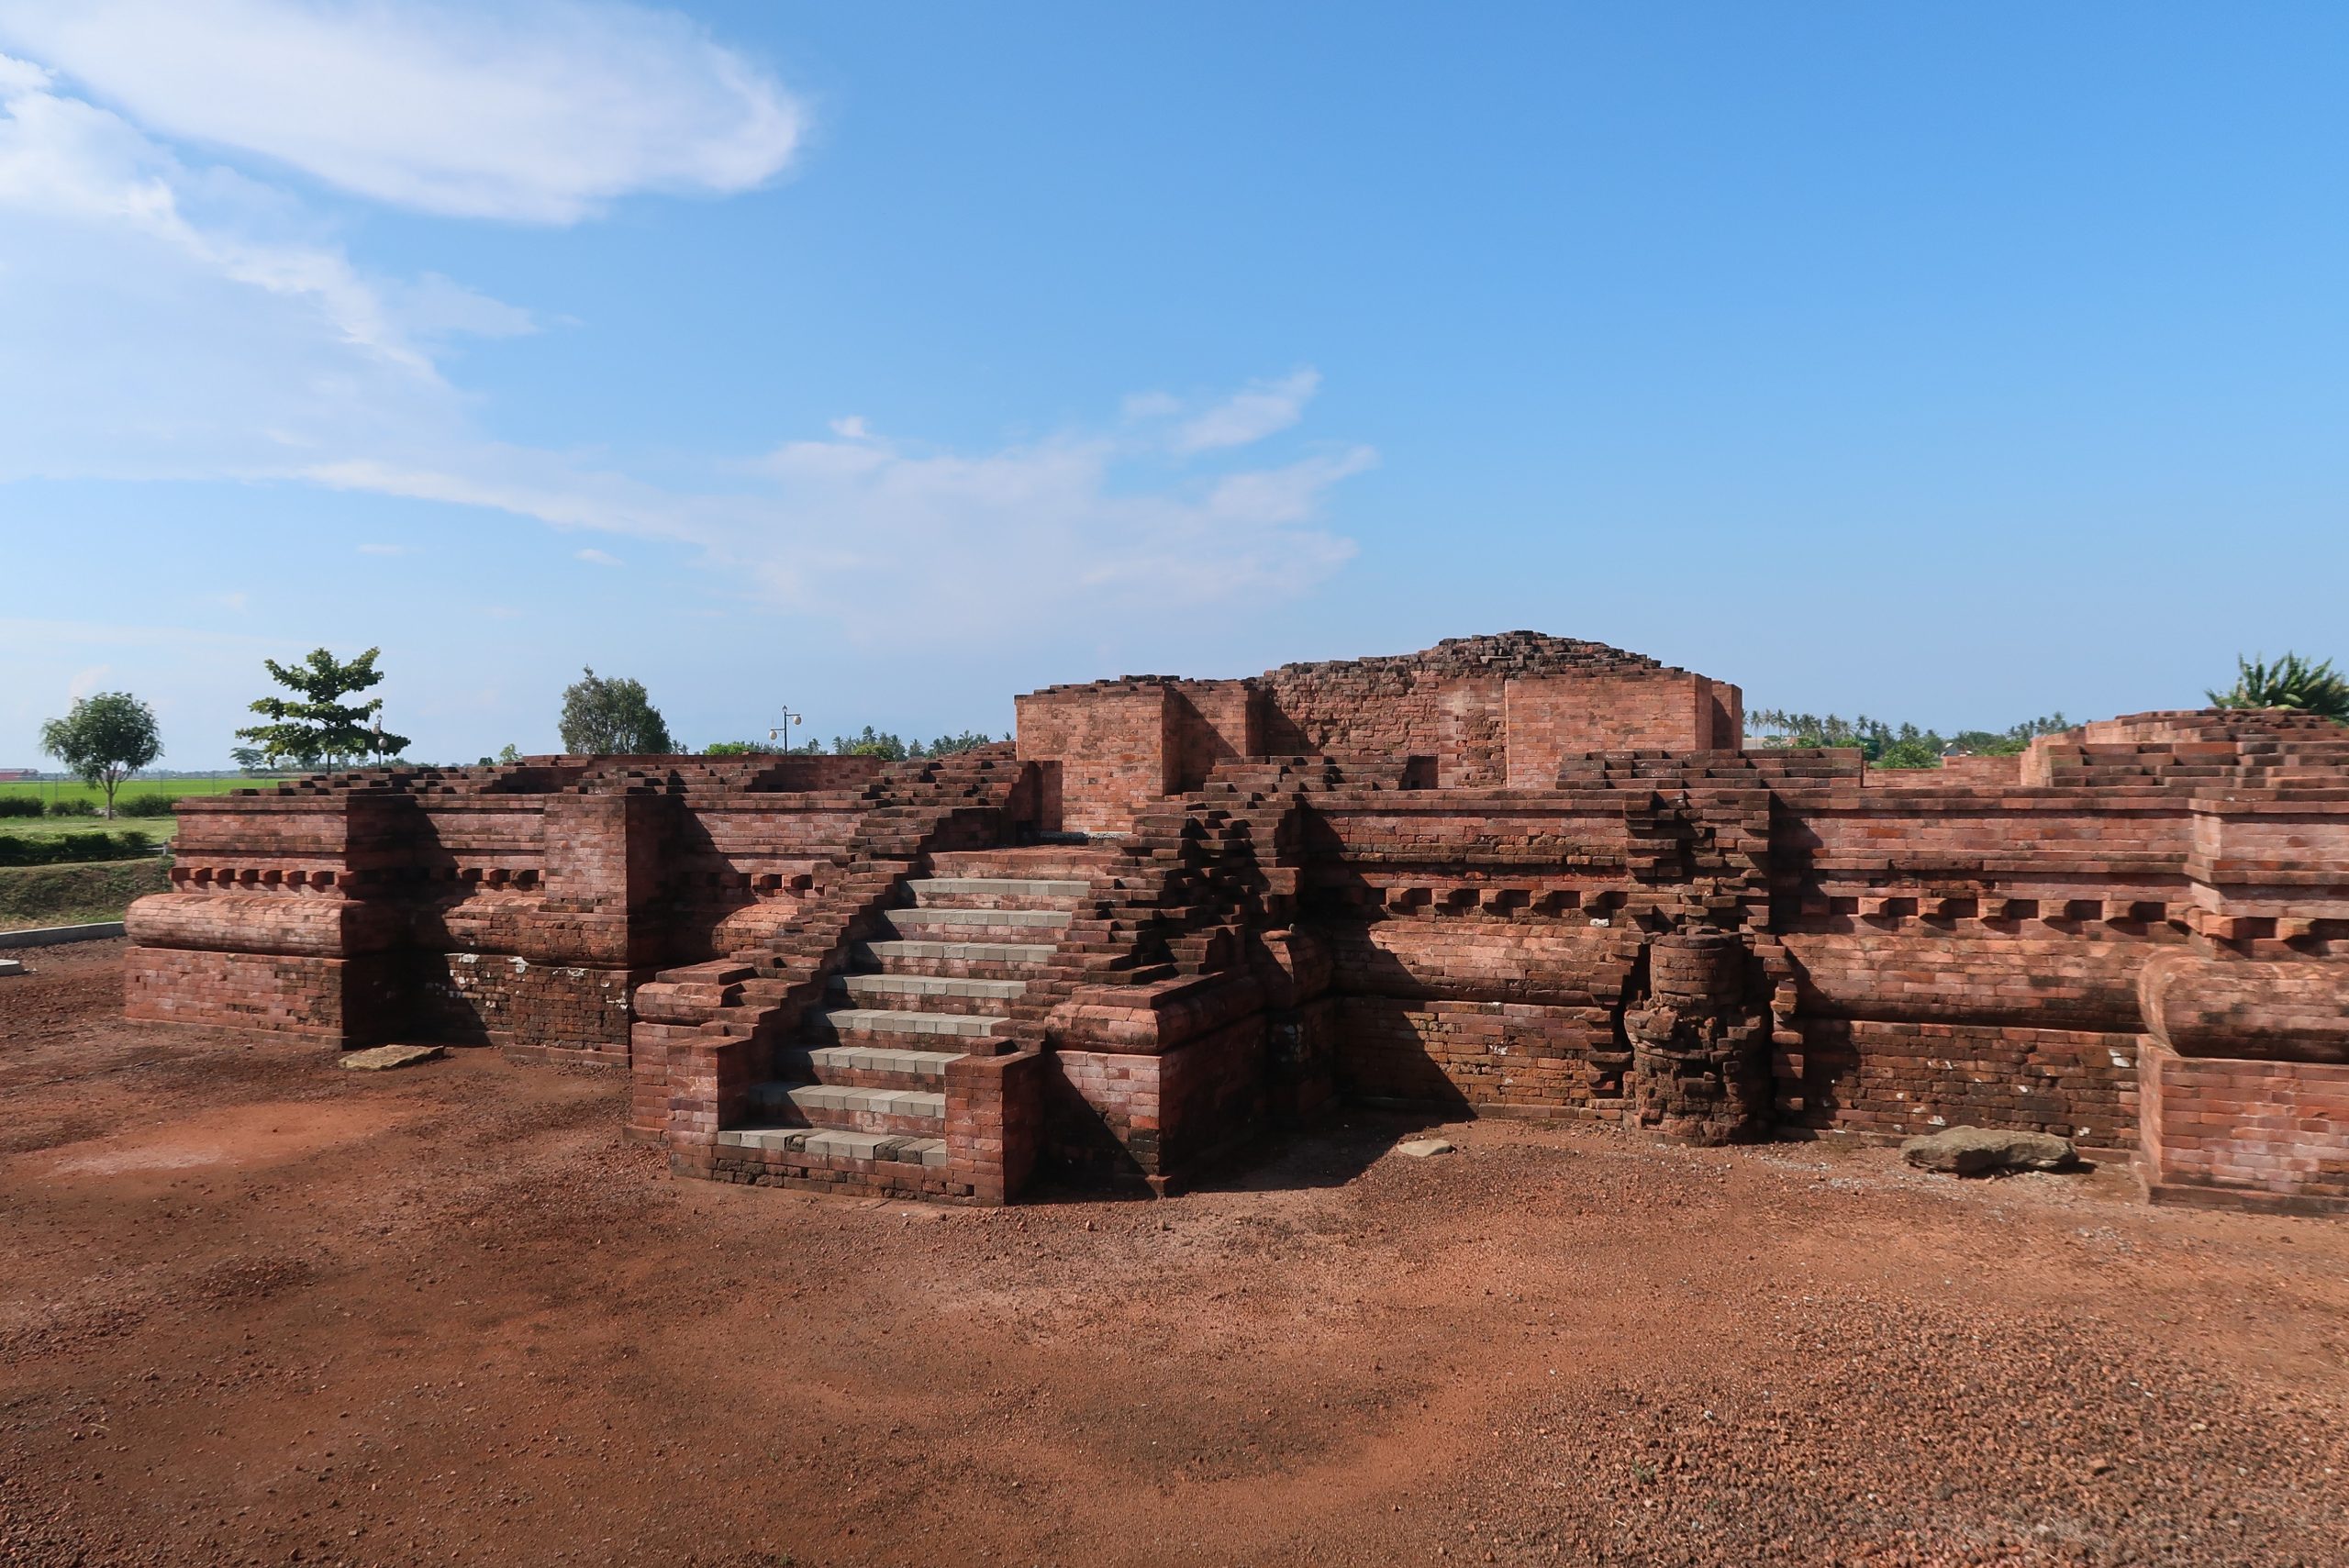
74, 789
154, 829
73, 849
74, 895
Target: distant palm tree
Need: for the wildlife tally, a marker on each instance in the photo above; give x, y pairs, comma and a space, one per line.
2291, 682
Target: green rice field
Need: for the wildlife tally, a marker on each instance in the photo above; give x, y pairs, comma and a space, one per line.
75, 790
156, 829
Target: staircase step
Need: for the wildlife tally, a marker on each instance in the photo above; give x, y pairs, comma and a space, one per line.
974, 960
997, 892
865, 1066
930, 993
833, 1143
840, 1021
1057, 863
955, 923
912, 1113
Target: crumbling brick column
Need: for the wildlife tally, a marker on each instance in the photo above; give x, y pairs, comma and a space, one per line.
1699, 1048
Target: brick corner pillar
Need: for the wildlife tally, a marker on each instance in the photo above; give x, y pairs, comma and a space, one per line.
689, 1076
2243, 1084
995, 1123
1700, 1065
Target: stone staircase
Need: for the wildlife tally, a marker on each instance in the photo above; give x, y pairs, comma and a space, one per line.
865, 1080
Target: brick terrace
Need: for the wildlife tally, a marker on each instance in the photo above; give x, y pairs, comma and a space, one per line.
1513, 875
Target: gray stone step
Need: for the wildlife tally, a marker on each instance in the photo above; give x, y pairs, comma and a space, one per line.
915, 956
995, 892
930, 993
918, 922
835, 1021
833, 1143
907, 1112
870, 1066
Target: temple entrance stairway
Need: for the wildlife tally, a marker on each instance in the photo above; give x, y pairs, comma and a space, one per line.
866, 1078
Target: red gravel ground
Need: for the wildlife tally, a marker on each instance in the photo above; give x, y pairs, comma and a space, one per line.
258, 1310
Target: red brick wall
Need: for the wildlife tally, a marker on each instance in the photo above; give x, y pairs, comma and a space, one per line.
489, 998
1494, 1056
2263, 1133
1113, 744
1915, 971
1552, 717
1901, 1079
341, 1001
1212, 722
1346, 710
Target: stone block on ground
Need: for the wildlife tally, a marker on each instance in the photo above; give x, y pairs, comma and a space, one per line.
1425, 1148
383, 1057
1977, 1151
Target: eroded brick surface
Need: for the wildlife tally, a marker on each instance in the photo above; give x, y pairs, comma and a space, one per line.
1512, 875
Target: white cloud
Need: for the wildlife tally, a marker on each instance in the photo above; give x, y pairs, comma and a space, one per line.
1260, 409
877, 534
598, 558
77, 178
542, 111
167, 319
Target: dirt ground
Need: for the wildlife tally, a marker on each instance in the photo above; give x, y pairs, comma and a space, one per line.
257, 1310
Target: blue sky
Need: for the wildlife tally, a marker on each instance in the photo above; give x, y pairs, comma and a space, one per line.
1953, 364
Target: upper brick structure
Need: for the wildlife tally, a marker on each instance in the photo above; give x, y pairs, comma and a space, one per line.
1470, 712
1509, 875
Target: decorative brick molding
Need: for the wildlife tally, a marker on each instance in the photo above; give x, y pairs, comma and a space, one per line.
1514, 876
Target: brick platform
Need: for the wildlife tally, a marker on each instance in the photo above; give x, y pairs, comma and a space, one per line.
1511, 876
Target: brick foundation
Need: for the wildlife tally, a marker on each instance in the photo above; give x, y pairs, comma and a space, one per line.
1508, 875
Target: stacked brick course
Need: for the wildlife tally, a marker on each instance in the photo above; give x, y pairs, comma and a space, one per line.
1514, 876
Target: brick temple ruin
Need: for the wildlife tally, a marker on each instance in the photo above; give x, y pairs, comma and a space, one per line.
1512, 875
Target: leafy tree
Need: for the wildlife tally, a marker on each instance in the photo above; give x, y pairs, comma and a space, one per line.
612, 719
509, 753
1888, 746
2009, 742
2289, 683
742, 748
319, 730
947, 745
872, 744
249, 759
104, 739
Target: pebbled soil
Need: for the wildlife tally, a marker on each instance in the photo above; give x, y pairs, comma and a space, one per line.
259, 1310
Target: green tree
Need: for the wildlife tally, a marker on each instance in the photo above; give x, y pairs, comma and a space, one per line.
947, 745
2009, 742
874, 743
249, 759
509, 753
104, 739
612, 719
2289, 683
1890, 746
319, 730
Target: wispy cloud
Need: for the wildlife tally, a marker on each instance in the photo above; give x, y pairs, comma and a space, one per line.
72, 173
186, 320
542, 111
1260, 409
